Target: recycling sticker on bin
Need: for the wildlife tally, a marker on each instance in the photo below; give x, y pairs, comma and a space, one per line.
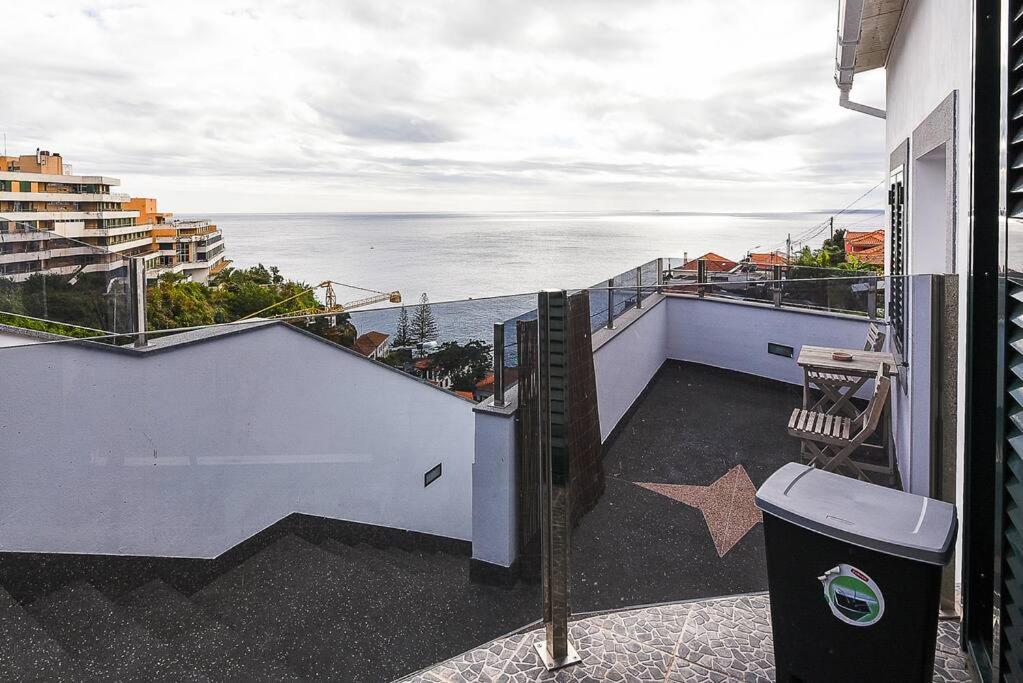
852, 595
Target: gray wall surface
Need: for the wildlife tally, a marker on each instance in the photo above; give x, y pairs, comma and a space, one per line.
734, 336
189, 451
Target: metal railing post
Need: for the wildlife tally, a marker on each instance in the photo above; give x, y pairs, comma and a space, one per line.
776, 274
660, 276
498, 364
701, 276
552, 313
639, 286
137, 288
610, 304
872, 298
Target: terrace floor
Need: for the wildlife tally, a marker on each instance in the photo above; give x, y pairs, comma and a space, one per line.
724, 639
677, 520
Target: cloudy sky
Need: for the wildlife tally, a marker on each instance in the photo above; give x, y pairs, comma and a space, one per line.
459, 105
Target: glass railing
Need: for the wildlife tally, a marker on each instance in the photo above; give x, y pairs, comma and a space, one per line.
366, 511
687, 446
53, 284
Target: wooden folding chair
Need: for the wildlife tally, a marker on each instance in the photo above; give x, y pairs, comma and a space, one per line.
831, 440
834, 385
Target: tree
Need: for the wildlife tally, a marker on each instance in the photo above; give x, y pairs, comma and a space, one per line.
403, 330
465, 364
424, 325
835, 247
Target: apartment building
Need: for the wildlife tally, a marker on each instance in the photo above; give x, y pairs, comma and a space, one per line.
193, 247
57, 223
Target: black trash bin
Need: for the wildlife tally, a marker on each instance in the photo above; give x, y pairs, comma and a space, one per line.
854, 572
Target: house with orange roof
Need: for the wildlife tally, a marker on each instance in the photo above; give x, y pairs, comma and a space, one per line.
715, 263
372, 345
767, 261
866, 245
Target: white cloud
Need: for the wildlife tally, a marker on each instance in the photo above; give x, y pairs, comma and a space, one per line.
442, 105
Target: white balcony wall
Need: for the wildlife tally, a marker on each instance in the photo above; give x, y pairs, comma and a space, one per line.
734, 335
626, 358
189, 450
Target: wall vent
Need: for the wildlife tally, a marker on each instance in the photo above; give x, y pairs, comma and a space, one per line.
780, 349
432, 476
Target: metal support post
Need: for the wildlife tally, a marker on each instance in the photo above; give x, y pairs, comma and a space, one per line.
660, 276
611, 304
701, 276
776, 274
137, 289
872, 298
552, 308
639, 286
498, 364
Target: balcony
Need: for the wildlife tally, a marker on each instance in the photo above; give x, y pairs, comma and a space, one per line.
277, 523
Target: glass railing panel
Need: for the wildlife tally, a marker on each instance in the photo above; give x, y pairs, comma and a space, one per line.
54, 284
332, 516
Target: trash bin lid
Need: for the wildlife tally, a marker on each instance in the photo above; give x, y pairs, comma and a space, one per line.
863, 514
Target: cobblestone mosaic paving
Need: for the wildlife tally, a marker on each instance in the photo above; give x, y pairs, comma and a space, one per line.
725, 639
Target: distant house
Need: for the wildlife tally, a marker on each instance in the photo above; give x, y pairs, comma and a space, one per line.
424, 368
715, 263
867, 246
766, 261
372, 345
485, 387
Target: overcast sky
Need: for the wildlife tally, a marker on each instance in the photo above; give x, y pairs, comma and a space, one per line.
458, 105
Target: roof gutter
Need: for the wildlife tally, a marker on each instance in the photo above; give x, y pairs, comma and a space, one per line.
850, 16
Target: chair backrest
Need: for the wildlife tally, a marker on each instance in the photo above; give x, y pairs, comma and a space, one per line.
882, 387
875, 338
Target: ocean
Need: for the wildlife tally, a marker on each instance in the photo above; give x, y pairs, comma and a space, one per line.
457, 257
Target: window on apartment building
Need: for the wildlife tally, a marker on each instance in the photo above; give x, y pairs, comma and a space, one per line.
897, 247
25, 186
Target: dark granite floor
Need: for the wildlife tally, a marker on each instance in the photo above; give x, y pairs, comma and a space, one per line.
694, 424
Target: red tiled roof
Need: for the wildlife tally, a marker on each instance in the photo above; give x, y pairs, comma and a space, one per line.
715, 263
869, 236
770, 259
367, 343
424, 364
872, 255
466, 394
487, 383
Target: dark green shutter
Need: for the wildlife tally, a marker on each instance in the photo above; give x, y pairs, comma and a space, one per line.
1010, 496
1011, 640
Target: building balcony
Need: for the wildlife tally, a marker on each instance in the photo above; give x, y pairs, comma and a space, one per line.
293, 548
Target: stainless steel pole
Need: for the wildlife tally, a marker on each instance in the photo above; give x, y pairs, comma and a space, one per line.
872, 298
137, 289
639, 286
552, 308
498, 364
776, 274
660, 275
701, 276
610, 304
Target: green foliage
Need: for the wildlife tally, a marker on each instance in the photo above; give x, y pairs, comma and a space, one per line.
43, 326
403, 330
91, 300
424, 324
465, 364
173, 302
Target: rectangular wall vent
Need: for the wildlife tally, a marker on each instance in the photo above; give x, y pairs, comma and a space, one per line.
431, 476
780, 349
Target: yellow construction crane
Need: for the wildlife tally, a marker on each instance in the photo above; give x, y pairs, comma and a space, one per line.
330, 304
